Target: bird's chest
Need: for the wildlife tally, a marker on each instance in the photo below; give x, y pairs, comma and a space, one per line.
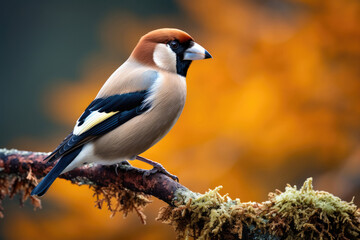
167, 100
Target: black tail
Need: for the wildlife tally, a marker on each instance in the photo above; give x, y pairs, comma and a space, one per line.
44, 185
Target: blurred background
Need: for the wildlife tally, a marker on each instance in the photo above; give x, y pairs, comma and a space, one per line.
279, 102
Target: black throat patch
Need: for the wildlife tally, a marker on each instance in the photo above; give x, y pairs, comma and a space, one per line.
182, 66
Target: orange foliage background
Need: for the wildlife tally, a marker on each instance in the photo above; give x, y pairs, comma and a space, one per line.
279, 102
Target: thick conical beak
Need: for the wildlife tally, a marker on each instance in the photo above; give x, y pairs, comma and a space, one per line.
196, 52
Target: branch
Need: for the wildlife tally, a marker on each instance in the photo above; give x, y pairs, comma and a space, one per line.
158, 185
293, 214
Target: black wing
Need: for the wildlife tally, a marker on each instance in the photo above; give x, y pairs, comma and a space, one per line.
100, 117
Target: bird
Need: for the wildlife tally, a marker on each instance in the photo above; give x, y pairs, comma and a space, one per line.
135, 108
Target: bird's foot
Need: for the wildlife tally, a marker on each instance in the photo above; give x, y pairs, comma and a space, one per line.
121, 164
160, 169
157, 167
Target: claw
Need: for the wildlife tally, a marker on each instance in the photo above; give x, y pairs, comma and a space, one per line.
116, 171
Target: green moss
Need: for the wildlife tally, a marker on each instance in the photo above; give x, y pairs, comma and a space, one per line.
293, 214
202, 216
307, 196
311, 214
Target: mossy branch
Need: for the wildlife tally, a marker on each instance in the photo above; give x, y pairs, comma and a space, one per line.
293, 214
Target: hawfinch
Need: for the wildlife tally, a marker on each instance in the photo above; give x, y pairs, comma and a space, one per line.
134, 109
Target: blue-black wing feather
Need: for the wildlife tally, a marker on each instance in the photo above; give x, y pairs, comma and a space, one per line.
128, 106
118, 102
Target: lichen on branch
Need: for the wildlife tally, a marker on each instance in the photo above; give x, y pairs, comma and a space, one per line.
121, 200
293, 214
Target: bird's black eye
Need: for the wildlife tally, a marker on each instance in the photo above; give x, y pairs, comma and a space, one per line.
174, 44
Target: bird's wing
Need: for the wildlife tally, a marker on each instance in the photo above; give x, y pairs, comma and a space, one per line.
100, 117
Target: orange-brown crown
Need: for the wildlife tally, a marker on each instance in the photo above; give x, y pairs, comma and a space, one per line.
144, 50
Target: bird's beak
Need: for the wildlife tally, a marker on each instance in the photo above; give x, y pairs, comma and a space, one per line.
196, 52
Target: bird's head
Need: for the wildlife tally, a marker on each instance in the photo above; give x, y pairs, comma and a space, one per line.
169, 49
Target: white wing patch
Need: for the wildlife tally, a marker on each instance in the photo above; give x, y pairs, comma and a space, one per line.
92, 120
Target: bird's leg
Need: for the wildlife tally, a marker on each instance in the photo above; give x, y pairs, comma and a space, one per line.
121, 164
157, 168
